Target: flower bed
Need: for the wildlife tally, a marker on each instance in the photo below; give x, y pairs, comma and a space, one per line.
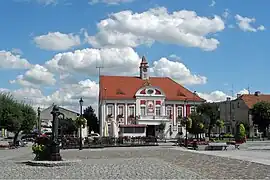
41, 148
4, 146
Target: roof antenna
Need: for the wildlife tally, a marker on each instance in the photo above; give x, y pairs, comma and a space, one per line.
248, 89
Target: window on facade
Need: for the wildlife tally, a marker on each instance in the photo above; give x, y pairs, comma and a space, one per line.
192, 109
110, 110
143, 110
121, 110
180, 111
131, 110
179, 128
168, 110
158, 111
238, 105
228, 129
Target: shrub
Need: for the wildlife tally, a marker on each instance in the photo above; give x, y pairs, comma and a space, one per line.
228, 135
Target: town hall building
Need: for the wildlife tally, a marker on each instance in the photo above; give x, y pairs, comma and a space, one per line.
137, 106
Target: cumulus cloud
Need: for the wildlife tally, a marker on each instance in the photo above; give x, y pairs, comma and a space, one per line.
57, 41
36, 76
66, 96
118, 61
217, 95
183, 27
114, 60
246, 24
9, 60
177, 71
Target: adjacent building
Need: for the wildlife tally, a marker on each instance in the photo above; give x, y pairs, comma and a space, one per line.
46, 118
136, 106
237, 111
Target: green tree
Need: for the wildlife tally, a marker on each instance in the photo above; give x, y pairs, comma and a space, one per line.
242, 131
210, 112
197, 126
16, 117
67, 126
261, 115
92, 120
220, 125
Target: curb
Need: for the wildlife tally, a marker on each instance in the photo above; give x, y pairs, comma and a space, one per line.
51, 163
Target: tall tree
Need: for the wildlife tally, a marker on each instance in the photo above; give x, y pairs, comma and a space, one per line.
210, 112
220, 125
261, 115
67, 126
92, 120
197, 126
16, 117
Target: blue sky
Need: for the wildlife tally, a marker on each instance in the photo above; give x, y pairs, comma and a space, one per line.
240, 59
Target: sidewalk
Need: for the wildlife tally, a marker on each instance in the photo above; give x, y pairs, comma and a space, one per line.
262, 157
7, 154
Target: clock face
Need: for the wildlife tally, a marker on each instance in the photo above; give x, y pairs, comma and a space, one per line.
144, 69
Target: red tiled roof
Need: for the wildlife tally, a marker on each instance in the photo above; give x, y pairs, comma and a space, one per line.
251, 99
125, 87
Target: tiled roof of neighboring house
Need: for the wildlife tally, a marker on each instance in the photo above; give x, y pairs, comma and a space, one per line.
251, 99
125, 87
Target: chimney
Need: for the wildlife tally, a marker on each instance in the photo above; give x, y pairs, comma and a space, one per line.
228, 98
238, 95
257, 93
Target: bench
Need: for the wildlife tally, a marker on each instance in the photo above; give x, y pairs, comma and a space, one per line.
217, 146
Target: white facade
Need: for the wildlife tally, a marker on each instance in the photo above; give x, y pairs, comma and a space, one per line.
148, 106
163, 111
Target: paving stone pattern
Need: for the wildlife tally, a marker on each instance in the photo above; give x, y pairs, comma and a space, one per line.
136, 163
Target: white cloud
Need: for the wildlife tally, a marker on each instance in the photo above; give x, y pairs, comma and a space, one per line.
8, 60
245, 24
115, 61
177, 71
110, 2
261, 28
16, 51
122, 61
36, 76
217, 96
57, 41
67, 96
183, 27
213, 3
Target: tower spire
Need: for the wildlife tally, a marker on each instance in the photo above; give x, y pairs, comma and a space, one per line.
144, 69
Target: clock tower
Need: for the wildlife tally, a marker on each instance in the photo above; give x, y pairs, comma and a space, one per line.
144, 69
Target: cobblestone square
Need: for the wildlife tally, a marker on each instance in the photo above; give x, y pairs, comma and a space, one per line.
133, 163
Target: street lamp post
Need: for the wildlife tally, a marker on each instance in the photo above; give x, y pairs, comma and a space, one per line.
81, 104
39, 123
186, 122
55, 150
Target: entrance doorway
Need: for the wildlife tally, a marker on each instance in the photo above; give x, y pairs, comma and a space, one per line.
150, 130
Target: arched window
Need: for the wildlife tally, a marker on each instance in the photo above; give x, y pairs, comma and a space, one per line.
168, 111
179, 111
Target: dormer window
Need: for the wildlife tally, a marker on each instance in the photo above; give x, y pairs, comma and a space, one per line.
150, 91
